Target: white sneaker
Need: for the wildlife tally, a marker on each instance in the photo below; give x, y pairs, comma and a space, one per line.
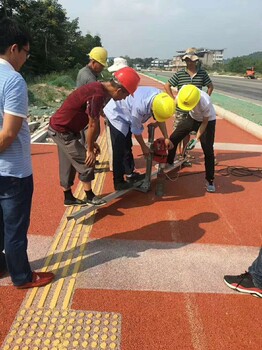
210, 187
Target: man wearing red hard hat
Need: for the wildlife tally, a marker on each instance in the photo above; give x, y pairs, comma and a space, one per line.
81, 108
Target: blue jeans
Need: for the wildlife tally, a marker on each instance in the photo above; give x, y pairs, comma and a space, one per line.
15, 207
256, 270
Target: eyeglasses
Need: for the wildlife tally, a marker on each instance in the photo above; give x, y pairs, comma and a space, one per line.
27, 52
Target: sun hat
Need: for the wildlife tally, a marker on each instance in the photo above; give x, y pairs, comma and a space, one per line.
119, 62
191, 54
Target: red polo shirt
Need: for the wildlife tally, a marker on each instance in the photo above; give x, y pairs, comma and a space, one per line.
86, 101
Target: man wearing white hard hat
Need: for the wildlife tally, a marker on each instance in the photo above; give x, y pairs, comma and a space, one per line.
119, 62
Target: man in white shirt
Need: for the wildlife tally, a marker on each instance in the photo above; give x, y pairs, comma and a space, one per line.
127, 117
202, 119
16, 180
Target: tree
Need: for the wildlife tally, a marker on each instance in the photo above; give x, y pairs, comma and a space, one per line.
57, 43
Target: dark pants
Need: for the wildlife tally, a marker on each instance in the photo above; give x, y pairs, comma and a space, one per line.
123, 160
15, 207
187, 125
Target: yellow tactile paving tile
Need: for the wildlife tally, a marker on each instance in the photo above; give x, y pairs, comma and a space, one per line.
45, 329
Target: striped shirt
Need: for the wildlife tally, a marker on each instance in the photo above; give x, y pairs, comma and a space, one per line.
15, 160
200, 79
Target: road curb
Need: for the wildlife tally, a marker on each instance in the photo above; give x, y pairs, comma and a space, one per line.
242, 123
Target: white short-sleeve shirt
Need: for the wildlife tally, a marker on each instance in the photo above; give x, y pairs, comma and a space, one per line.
16, 159
133, 112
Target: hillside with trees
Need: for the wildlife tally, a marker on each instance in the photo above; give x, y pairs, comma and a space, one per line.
57, 43
239, 64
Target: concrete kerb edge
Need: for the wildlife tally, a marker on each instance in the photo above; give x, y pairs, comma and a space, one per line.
244, 124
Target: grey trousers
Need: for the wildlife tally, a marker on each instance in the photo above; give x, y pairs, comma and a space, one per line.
72, 155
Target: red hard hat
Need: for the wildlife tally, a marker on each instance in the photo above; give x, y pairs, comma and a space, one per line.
128, 78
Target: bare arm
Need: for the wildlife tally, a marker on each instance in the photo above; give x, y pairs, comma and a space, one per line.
145, 149
202, 128
90, 141
162, 127
210, 88
168, 90
11, 126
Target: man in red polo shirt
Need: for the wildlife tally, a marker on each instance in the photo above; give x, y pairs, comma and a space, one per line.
81, 108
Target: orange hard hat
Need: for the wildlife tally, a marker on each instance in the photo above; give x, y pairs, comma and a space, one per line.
128, 78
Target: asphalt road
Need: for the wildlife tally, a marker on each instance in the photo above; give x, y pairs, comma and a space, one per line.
243, 88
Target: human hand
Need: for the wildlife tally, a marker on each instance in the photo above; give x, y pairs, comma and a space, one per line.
97, 149
191, 144
169, 144
90, 158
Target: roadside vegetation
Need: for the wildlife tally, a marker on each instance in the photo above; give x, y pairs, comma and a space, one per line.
59, 49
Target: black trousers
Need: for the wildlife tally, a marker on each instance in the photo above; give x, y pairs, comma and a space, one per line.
123, 160
187, 125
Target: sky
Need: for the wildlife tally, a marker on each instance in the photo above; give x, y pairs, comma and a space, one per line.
160, 28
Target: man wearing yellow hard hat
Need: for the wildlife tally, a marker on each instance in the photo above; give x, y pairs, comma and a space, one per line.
127, 117
201, 118
193, 74
90, 73
97, 62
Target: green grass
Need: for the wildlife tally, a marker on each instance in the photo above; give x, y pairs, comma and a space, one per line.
240, 107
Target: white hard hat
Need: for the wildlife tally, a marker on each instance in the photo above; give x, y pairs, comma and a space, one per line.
119, 62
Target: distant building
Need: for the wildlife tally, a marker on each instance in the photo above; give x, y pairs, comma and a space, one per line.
208, 57
161, 64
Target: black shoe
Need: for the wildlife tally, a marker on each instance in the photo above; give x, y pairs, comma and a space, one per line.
96, 201
134, 177
123, 185
3, 267
243, 283
73, 201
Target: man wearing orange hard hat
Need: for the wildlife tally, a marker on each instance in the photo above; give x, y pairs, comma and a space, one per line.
81, 108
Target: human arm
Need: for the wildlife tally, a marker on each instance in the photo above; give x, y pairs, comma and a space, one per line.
202, 128
145, 149
168, 142
210, 88
11, 126
92, 150
168, 89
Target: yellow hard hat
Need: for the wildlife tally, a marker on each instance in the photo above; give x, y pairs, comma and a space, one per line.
163, 107
99, 54
188, 97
